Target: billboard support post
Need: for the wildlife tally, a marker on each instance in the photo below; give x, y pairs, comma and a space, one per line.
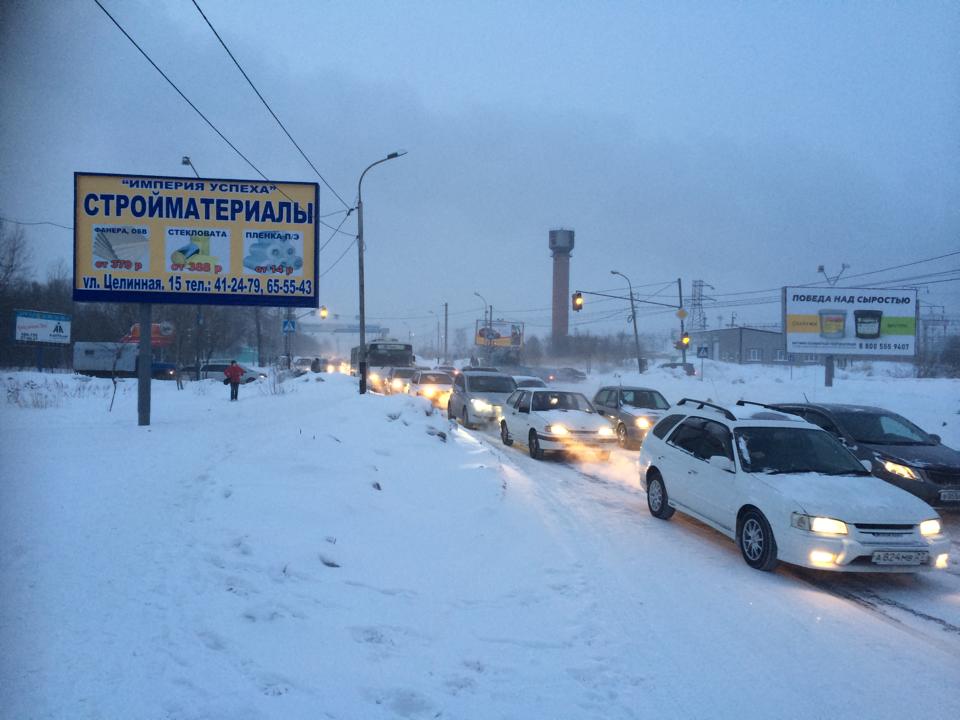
144, 364
828, 367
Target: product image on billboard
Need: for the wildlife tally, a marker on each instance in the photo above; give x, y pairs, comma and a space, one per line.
851, 321
194, 240
499, 333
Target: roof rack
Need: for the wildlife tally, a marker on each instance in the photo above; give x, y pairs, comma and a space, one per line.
703, 403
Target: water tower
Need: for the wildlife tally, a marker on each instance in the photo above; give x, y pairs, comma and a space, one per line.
561, 245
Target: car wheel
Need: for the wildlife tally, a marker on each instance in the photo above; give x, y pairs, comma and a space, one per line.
533, 444
622, 440
505, 434
756, 541
466, 417
451, 416
657, 497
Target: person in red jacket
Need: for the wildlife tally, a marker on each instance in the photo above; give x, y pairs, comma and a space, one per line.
234, 373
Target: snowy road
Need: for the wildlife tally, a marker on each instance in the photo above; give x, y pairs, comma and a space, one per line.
317, 554
677, 598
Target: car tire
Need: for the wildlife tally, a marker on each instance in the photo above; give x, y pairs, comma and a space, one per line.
466, 417
657, 500
451, 415
533, 444
505, 434
756, 541
622, 435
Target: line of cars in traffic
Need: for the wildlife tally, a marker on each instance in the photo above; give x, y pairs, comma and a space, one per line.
834, 487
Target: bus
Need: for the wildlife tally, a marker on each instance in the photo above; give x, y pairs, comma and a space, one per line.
382, 354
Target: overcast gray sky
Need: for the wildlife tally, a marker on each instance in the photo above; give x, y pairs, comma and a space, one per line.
743, 143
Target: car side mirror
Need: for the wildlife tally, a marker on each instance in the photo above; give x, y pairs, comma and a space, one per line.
936, 439
722, 462
867, 465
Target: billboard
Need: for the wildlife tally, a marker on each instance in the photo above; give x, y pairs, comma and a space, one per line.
42, 327
851, 321
160, 239
499, 333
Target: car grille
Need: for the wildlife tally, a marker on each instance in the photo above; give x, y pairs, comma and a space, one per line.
943, 477
885, 533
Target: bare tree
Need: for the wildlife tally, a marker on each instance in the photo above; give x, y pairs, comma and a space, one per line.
16, 255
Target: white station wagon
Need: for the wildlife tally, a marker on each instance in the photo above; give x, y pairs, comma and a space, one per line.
555, 420
785, 489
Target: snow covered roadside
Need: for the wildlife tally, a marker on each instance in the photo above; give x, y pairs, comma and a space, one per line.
317, 554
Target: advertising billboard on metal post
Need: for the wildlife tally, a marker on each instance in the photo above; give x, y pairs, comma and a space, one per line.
880, 322
158, 239
34, 326
499, 333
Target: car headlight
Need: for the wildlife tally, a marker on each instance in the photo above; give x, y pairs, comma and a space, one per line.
928, 528
556, 429
605, 432
397, 384
901, 470
481, 405
820, 525
429, 392
374, 378
642, 423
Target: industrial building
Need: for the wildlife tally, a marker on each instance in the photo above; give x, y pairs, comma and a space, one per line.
744, 345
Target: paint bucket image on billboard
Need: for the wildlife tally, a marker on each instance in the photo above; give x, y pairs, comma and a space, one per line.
867, 323
833, 323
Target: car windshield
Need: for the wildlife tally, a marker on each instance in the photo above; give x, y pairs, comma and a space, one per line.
780, 450
531, 382
645, 399
560, 401
491, 384
403, 372
436, 378
880, 428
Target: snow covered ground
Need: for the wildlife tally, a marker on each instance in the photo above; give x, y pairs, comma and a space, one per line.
315, 554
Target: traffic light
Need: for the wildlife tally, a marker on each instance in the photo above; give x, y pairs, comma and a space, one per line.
577, 301
323, 312
685, 339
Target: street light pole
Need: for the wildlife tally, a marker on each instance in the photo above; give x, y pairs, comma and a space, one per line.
362, 359
633, 314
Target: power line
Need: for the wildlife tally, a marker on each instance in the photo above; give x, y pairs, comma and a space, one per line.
267, 105
342, 255
39, 222
334, 233
180, 93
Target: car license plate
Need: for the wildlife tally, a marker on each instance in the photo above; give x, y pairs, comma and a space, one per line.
950, 495
891, 557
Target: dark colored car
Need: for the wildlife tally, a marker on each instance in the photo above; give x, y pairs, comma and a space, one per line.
632, 410
570, 375
688, 368
901, 453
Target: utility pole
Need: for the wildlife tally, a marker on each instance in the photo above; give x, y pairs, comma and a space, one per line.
681, 313
633, 316
445, 331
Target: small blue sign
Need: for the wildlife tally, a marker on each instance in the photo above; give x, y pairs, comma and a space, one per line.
289, 326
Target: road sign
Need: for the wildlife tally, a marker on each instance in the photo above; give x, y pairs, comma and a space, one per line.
289, 326
681, 313
703, 351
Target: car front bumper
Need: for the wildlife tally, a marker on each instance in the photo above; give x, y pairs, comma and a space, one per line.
575, 441
856, 552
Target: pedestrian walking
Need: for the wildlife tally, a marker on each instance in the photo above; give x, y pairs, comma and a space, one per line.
233, 375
